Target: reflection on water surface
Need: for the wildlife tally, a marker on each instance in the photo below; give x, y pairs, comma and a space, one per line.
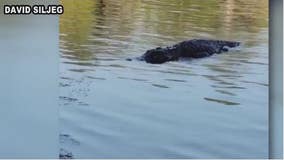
214, 107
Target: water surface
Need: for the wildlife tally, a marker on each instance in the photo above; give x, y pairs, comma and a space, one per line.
215, 107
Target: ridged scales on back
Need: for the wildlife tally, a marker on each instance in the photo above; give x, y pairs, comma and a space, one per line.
195, 48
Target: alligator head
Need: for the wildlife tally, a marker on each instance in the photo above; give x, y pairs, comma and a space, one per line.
159, 55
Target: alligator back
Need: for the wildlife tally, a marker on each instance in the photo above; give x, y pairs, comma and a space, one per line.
224, 43
212, 43
198, 48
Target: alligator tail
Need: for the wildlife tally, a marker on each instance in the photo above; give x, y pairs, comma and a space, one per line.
229, 43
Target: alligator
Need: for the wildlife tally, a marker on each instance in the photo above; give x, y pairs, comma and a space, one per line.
195, 48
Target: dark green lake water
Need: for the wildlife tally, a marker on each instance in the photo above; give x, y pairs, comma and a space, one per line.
215, 107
